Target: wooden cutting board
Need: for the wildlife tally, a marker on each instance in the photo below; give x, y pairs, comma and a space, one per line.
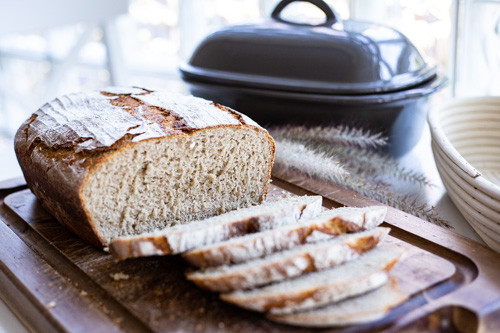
55, 282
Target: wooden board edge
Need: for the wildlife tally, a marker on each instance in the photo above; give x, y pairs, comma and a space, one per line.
107, 315
22, 306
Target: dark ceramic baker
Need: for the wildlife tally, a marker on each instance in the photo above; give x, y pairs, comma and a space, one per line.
361, 74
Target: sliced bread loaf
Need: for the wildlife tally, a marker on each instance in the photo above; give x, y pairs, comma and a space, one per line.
360, 309
329, 224
125, 161
181, 238
356, 277
289, 263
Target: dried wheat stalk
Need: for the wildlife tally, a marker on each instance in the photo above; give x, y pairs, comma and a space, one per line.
342, 135
346, 157
312, 163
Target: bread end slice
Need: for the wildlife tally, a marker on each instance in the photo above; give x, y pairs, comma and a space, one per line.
360, 309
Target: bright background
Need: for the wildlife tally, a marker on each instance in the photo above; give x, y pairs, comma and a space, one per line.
52, 47
87, 44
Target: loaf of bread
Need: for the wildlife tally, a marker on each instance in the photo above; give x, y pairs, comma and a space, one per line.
181, 238
126, 161
290, 263
329, 224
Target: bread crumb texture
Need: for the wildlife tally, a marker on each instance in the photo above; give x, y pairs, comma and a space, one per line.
160, 183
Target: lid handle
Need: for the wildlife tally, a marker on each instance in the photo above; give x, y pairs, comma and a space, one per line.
330, 14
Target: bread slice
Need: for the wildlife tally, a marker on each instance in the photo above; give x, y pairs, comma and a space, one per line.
288, 264
125, 161
182, 238
360, 309
329, 224
353, 278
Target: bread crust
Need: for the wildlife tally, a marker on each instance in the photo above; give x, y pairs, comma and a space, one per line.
63, 141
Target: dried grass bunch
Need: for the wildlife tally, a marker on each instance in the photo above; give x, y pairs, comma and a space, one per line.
348, 157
